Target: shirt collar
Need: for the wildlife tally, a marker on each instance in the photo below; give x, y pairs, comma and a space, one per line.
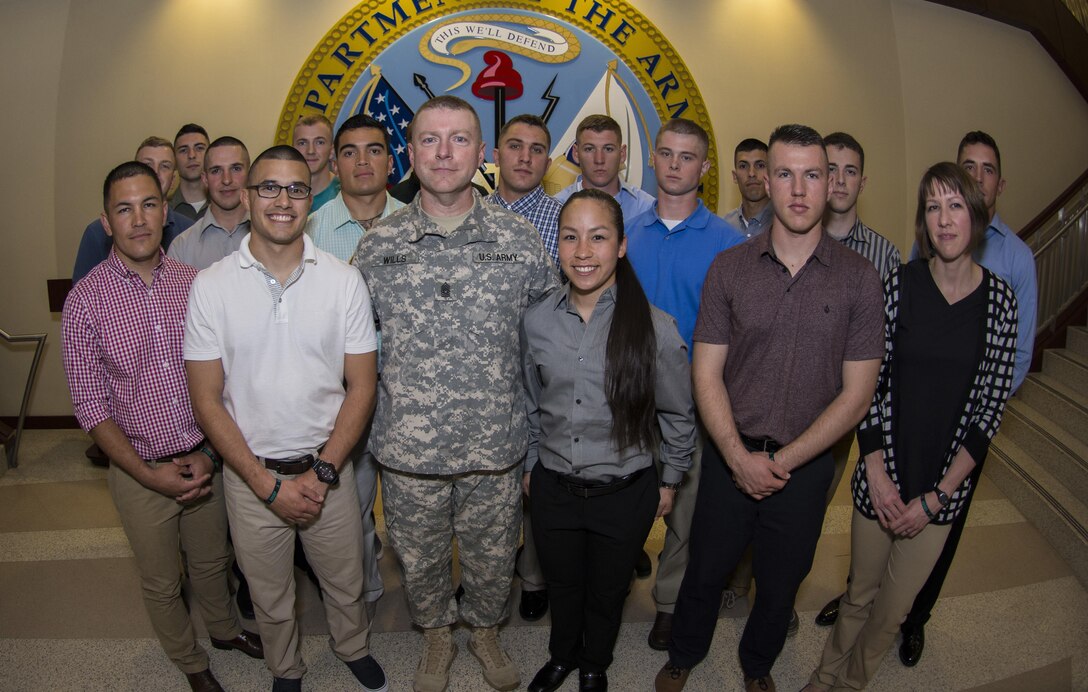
699, 218
208, 220
822, 252
522, 204
246, 260
562, 299
998, 226
624, 187
475, 224
118, 267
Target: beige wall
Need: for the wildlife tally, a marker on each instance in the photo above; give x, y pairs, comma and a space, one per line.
906, 77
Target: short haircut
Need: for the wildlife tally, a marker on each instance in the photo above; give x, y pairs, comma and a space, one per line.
797, 135
683, 126
449, 103
598, 123
154, 142
128, 169
949, 176
979, 137
842, 139
749, 144
360, 121
316, 119
191, 129
279, 152
225, 141
530, 120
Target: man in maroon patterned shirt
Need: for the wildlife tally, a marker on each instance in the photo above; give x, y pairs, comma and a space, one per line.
122, 333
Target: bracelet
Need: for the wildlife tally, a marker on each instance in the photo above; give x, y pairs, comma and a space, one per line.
275, 491
217, 461
670, 486
925, 508
771, 455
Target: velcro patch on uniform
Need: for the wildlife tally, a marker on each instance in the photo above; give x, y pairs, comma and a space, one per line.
399, 258
507, 257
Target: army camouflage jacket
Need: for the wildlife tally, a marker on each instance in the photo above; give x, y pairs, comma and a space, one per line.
450, 399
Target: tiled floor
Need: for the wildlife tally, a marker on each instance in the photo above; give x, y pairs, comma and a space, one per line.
1013, 617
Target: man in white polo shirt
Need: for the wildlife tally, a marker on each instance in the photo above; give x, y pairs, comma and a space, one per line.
280, 353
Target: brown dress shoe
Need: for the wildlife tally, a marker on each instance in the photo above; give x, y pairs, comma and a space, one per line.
661, 632
671, 679
763, 684
246, 642
203, 681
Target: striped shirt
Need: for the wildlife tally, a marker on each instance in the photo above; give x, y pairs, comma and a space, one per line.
335, 231
122, 348
982, 410
542, 210
874, 247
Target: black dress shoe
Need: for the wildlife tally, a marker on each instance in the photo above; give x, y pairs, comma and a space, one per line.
246, 642
661, 632
203, 681
829, 613
550, 677
534, 604
643, 568
914, 641
592, 682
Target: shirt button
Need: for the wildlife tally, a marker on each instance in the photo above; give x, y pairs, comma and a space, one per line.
576, 439
580, 359
577, 401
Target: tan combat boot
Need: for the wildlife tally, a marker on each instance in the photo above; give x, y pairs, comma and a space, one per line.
433, 673
499, 671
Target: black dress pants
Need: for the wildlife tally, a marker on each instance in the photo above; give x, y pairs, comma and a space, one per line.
783, 530
587, 549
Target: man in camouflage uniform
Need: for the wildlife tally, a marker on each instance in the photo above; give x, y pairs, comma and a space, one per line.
450, 278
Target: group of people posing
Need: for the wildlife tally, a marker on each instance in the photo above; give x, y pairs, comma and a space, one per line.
582, 364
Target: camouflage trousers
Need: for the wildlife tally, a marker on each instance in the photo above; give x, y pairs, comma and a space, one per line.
483, 512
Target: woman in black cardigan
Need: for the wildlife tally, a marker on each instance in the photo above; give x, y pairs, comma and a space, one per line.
950, 340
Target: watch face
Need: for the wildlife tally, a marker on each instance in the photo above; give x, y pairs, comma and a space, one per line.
326, 472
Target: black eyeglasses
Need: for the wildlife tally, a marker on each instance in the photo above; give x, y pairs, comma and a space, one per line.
272, 190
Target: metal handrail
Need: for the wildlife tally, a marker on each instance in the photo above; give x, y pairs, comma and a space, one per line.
13, 449
1061, 258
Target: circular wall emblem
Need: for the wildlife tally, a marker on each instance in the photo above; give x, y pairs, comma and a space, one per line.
559, 59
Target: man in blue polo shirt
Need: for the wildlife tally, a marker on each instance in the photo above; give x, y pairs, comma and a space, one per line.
671, 247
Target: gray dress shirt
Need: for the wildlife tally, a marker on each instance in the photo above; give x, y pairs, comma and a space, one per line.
570, 423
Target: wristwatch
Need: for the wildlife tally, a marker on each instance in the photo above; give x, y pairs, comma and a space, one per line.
670, 486
942, 496
326, 472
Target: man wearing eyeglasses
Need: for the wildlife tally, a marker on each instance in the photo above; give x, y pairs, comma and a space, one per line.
220, 231
280, 352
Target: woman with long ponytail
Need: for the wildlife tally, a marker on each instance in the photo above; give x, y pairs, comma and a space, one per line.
608, 384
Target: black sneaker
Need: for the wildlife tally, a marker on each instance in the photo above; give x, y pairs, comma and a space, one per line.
369, 674
286, 684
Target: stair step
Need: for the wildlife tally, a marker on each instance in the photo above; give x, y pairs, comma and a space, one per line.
1051, 507
1076, 340
1068, 367
1059, 403
1054, 448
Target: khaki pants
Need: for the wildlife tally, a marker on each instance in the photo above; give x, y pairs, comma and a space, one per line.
156, 526
674, 555
265, 545
886, 573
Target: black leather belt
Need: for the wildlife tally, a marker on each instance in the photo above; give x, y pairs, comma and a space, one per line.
760, 445
581, 488
170, 459
289, 467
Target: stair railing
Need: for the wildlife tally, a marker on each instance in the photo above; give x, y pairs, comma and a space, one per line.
39, 339
1060, 246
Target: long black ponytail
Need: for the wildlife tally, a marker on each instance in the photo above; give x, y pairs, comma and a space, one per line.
631, 350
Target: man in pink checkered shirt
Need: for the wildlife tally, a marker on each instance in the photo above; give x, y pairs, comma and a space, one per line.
122, 333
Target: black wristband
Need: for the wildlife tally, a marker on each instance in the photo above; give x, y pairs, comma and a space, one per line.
925, 508
275, 492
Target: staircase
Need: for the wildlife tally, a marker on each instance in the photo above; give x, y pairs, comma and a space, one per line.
1039, 458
